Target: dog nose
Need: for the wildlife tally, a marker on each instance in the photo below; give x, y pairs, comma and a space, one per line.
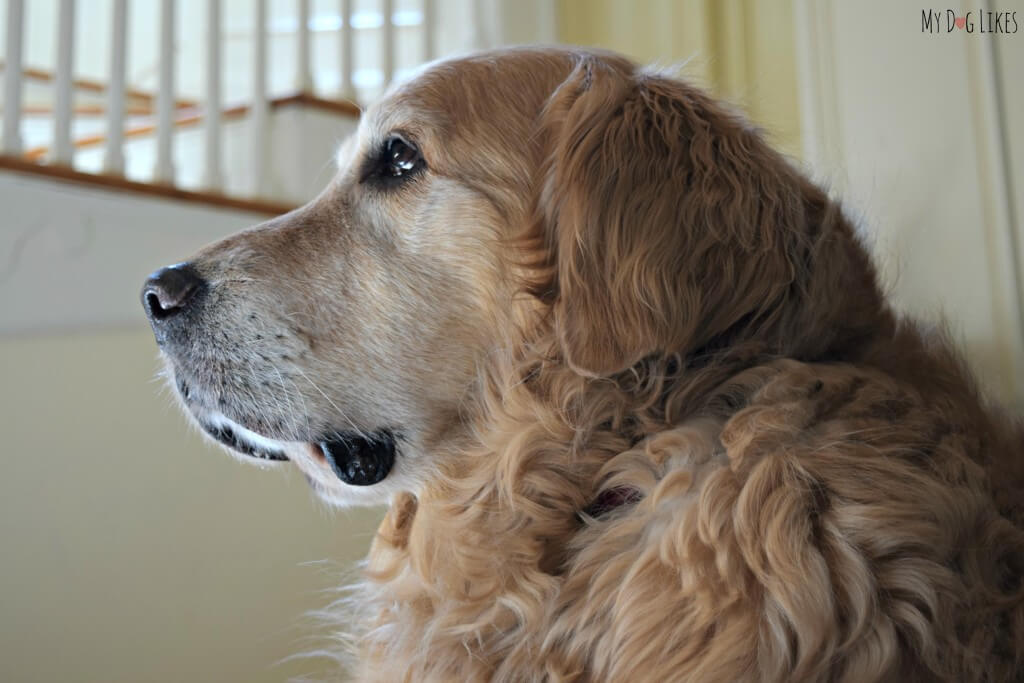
168, 291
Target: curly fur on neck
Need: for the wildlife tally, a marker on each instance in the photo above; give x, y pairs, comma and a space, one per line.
764, 563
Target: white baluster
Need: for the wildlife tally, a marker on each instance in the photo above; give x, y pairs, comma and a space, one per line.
113, 160
429, 24
12, 77
388, 40
62, 148
212, 172
303, 75
164, 171
259, 100
345, 51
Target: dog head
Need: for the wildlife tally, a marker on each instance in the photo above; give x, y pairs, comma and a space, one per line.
348, 335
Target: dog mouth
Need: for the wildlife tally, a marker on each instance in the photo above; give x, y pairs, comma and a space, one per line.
243, 441
359, 459
356, 458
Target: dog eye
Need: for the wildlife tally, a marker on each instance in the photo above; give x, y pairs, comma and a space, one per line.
399, 158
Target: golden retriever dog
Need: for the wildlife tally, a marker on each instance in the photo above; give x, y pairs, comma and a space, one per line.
630, 386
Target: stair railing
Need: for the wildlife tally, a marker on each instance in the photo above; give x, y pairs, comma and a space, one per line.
166, 104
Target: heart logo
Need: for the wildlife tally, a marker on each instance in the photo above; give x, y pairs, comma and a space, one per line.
960, 21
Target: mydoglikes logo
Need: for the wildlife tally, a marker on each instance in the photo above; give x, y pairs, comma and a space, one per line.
981, 21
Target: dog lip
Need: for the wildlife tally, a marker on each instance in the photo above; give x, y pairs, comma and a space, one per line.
228, 437
359, 459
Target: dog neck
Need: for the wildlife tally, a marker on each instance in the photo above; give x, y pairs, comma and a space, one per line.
490, 540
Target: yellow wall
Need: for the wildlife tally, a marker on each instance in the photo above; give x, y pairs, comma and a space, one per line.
131, 550
743, 50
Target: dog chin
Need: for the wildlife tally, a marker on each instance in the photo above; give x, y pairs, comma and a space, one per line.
340, 495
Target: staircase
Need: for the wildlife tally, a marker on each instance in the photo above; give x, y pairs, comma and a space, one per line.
299, 128
230, 102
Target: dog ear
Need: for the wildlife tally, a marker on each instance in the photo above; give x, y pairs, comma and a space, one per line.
661, 211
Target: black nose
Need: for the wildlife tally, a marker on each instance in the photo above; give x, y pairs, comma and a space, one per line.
168, 291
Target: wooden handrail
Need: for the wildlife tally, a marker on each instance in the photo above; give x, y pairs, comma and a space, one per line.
305, 99
119, 183
193, 117
82, 110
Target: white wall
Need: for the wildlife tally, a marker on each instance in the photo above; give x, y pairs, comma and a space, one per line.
132, 551
907, 127
74, 257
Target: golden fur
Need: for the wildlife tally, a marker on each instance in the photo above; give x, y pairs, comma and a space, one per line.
818, 499
640, 295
